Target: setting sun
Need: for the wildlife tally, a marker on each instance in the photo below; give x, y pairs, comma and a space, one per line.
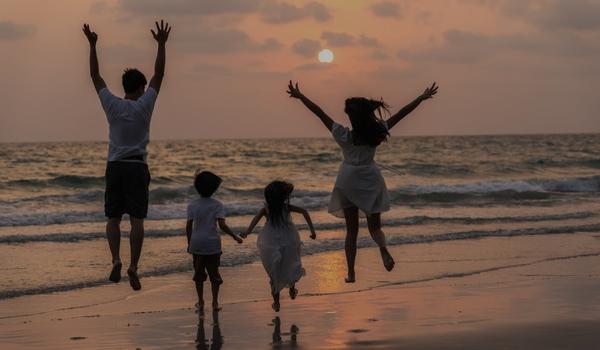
326, 56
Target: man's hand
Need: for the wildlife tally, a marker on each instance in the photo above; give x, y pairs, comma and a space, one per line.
162, 32
313, 235
91, 36
238, 239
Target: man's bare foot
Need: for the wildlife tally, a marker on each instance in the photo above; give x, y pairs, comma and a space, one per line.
350, 278
276, 306
216, 307
134, 280
115, 274
293, 292
388, 261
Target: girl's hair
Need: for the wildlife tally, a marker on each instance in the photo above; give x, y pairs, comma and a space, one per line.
277, 196
367, 123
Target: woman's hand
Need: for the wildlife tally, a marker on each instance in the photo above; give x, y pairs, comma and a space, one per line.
294, 91
238, 239
243, 235
429, 92
313, 235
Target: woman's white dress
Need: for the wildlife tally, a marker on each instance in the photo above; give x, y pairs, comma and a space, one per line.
359, 182
279, 248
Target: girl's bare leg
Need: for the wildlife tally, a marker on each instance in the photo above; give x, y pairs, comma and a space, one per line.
374, 223
351, 216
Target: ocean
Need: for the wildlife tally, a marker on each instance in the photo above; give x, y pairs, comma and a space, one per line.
442, 188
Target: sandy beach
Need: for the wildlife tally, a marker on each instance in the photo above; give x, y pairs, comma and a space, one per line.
498, 293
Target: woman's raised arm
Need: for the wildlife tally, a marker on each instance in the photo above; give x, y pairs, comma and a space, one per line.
294, 92
427, 94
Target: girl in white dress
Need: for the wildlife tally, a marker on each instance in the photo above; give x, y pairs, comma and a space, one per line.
279, 241
359, 184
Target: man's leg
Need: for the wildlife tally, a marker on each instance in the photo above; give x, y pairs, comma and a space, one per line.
136, 240
113, 234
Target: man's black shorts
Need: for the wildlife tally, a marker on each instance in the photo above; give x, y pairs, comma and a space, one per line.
126, 189
207, 265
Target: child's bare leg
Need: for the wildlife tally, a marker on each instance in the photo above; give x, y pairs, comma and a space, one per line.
200, 292
374, 223
351, 216
215, 295
275, 304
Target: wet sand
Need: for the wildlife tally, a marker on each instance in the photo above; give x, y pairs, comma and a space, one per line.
500, 293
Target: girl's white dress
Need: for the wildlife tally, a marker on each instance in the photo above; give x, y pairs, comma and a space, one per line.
279, 248
359, 182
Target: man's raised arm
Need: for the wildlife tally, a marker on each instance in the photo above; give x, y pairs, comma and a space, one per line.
161, 36
92, 37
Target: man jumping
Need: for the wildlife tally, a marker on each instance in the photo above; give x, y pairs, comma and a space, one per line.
127, 176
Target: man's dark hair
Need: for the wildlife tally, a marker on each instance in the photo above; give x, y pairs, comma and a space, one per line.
133, 79
207, 183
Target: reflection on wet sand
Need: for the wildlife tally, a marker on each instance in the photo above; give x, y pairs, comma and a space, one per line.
278, 342
216, 343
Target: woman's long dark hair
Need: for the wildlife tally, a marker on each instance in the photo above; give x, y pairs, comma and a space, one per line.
277, 196
367, 123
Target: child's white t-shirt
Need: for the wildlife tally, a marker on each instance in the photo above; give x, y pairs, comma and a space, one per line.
205, 239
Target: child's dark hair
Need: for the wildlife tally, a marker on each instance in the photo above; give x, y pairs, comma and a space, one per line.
277, 196
367, 127
206, 183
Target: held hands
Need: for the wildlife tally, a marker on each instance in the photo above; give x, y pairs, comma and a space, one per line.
91, 36
162, 32
238, 238
429, 92
244, 235
294, 91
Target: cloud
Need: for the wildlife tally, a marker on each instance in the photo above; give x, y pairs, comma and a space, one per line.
306, 47
14, 31
364, 40
577, 15
338, 39
387, 9
224, 41
281, 12
466, 47
189, 7
334, 39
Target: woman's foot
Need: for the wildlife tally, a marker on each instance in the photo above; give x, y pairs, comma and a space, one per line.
134, 280
293, 292
115, 274
351, 278
276, 306
388, 261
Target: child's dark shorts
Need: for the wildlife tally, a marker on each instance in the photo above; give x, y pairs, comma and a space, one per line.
207, 265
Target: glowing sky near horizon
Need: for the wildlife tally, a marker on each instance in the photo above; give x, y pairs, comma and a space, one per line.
503, 66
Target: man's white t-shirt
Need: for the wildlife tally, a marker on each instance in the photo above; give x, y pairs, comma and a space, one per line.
205, 239
129, 123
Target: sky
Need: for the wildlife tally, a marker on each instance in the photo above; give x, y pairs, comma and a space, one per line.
503, 66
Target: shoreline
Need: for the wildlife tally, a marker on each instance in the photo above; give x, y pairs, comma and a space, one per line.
468, 299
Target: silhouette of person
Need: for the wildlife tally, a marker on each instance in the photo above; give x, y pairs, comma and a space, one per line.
127, 176
359, 184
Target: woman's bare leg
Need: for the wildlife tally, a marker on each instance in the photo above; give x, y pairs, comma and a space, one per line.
351, 216
374, 223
